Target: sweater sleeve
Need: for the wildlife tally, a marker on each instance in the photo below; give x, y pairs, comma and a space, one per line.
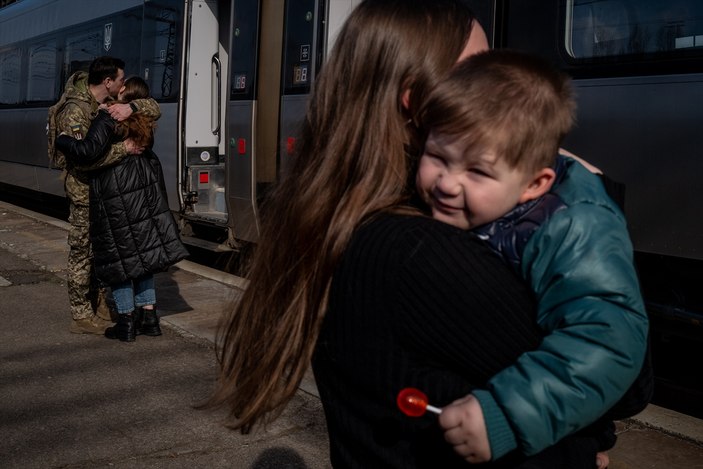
93, 146
581, 268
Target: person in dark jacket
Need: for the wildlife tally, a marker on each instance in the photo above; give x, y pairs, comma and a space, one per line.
490, 165
132, 230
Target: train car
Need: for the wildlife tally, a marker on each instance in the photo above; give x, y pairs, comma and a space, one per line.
233, 76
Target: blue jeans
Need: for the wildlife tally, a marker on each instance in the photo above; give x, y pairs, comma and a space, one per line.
139, 292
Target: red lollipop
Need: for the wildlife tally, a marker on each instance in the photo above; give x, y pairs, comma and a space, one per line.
413, 403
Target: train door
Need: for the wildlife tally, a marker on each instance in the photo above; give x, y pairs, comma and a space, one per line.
275, 50
240, 117
203, 167
302, 53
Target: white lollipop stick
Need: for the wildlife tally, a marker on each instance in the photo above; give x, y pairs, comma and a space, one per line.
434, 409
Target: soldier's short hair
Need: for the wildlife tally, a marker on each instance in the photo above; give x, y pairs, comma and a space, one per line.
104, 67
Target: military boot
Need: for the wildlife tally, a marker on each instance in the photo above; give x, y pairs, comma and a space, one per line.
91, 325
149, 324
102, 307
123, 330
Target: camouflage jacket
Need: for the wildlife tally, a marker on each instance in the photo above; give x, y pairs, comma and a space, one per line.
72, 120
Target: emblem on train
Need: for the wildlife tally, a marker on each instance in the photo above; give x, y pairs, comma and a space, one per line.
107, 42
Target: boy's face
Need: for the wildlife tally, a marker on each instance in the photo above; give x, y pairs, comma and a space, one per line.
467, 189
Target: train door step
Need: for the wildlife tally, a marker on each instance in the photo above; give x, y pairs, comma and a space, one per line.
205, 244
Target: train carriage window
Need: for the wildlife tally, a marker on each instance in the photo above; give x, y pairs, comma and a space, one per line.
244, 49
160, 43
41, 85
607, 28
81, 49
10, 76
299, 56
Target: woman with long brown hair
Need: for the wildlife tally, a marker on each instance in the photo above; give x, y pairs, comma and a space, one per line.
348, 275
339, 177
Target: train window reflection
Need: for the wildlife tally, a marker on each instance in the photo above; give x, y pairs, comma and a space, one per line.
10, 76
42, 72
601, 28
160, 43
82, 49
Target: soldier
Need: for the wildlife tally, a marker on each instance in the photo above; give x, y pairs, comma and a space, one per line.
82, 96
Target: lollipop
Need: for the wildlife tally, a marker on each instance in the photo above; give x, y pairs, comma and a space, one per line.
413, 403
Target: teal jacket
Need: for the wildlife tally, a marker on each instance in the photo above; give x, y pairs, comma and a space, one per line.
579, 263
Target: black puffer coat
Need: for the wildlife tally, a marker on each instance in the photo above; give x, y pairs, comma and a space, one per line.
132, 230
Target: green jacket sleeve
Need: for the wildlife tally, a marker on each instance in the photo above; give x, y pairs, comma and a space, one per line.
580, 266
147, 106
72, 121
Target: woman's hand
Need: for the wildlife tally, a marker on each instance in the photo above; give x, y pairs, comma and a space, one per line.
585, 163
120, 111
132, 148
602, 460
465, 429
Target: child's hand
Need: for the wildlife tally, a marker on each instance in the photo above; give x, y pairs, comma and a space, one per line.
465, 429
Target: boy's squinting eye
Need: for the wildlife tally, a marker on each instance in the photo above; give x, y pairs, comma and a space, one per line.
434, 158
478, 171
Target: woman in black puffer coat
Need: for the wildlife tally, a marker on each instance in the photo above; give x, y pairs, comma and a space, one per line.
132, 230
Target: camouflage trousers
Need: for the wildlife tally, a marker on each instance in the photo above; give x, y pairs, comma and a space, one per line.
84, 295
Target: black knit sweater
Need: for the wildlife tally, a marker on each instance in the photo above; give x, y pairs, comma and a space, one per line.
415, 302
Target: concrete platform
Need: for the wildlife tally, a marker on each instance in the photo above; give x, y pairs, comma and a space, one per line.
191, 299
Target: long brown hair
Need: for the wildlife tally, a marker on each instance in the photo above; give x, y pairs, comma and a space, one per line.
138, 127
351, 163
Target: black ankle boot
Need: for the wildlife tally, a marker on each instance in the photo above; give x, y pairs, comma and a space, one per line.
124, 329
150, 323
138, 319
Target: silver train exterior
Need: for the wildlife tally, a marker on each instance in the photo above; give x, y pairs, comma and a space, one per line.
232, 78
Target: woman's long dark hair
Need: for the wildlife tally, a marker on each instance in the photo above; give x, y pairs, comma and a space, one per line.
138, 127
351, 163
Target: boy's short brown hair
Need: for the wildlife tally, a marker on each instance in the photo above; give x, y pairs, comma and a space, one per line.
505, 101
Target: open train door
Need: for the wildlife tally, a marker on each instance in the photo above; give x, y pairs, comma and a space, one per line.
202, 166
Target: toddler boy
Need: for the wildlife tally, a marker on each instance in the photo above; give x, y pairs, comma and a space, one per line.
491, 165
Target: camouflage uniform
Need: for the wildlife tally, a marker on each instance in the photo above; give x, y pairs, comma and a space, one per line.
73, 120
